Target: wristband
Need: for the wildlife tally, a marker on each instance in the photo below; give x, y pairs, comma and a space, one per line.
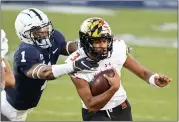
152, 80
62, 69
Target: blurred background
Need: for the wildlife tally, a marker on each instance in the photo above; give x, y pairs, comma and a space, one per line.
149, 27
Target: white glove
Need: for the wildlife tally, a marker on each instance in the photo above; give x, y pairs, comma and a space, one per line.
4, 44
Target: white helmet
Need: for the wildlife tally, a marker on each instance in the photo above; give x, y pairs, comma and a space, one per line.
33, 27
4, 44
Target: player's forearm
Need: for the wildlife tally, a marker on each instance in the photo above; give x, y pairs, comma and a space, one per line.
9, 80
8, 76
41, 71
46, 72
70, 47
98, 102
145, 75
139, 70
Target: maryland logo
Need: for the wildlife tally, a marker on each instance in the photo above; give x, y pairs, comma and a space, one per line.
97, 27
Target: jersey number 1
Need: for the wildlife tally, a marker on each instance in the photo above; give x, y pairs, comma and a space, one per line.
23, 56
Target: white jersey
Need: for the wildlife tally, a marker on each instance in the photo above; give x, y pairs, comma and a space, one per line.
4, 44
116, 61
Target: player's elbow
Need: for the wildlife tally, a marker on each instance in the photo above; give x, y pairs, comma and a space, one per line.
92, 106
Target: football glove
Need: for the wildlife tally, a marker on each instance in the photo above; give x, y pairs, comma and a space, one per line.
85, 64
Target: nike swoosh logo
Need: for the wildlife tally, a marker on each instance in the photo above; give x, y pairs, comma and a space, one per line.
55, 51
82, 62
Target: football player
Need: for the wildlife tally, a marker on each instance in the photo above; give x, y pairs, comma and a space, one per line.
7, 78
97, 43
35, 62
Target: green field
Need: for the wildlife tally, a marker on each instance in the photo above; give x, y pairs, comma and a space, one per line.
60, 100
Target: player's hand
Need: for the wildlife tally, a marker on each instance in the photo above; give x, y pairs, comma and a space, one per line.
7, 67
8, 76
84, 64
162, 80
114, 81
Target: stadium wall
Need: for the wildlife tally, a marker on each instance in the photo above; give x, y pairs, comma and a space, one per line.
166, 4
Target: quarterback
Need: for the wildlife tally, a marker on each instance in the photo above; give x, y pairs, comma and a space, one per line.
97, 43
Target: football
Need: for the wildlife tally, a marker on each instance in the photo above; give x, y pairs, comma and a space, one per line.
100, 84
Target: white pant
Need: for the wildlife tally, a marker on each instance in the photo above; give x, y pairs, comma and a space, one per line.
10, 112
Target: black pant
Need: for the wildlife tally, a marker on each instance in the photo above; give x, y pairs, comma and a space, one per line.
119, 113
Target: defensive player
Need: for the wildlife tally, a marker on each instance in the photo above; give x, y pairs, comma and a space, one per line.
7, 78
97, 43
34, 62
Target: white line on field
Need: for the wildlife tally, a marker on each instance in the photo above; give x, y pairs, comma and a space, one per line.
137, 116
136, 40
69, 98
128, 84
133, 101
140, 85
64, 9
56, 113
137, 101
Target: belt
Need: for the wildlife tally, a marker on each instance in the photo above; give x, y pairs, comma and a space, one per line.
123, 105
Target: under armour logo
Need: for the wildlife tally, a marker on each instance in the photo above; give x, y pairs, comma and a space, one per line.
109, 64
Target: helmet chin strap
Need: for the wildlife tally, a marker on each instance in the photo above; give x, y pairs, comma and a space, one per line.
45, 43
97, 57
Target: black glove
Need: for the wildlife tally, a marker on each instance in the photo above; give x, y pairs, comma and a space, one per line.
84, 64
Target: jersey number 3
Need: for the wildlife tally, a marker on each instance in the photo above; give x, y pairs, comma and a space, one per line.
23, 56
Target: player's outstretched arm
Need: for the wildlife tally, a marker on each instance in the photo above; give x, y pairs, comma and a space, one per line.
41, 71
148, 76
95, 103
8, 76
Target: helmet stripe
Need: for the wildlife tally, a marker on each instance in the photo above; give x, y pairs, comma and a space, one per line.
27, 14
93, 31
36, 13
